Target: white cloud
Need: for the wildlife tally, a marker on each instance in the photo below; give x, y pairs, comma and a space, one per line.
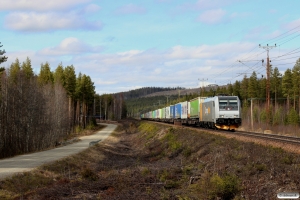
39, 5
203, 5
91, 8
293, 24
163, 1
70, 46
212, 16
177, 66
130, 9
256, 33
104, 82
273, 11
32, 21
240, 15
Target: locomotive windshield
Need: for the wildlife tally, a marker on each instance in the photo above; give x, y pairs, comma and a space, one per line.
228, 103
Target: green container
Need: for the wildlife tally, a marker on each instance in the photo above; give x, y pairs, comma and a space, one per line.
195, 107
159, 113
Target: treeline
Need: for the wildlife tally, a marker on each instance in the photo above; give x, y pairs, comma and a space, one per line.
145, 91
145, 104
110, 106
284, 92
37, 111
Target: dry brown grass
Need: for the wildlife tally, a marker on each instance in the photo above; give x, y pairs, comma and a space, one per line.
143, 160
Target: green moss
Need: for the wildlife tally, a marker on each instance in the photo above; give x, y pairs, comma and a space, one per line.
261, 167
171, 138
148, 128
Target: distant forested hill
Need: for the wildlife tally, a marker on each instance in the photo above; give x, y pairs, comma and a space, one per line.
132, 94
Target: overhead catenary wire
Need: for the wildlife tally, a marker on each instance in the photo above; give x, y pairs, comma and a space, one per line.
280, 40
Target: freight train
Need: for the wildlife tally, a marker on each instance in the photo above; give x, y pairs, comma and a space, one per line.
218, 112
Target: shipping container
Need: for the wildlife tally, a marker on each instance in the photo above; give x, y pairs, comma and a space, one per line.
189, 110
150, 114
163, 113
159, 114
207, 110
172, 111
195, 107
168, 116
177, 111
184, 110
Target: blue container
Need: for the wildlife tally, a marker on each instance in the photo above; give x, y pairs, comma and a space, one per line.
172, 111
178, 111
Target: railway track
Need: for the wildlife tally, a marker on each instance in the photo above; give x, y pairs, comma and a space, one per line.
272, 137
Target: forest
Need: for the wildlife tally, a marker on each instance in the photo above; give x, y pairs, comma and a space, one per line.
284, 92
38, 111
133, 94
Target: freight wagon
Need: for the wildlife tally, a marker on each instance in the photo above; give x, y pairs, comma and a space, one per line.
219, 112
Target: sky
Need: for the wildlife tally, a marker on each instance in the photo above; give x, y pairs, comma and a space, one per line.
124, 45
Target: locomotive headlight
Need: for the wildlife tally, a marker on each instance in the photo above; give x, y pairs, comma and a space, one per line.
222, 116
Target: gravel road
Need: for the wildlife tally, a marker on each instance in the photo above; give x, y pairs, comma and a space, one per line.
28, 162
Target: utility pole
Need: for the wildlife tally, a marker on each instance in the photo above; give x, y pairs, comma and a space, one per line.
100, 107
94, 109
167, 98
267, 48
203, 79
252, 114
159, 102
178, 93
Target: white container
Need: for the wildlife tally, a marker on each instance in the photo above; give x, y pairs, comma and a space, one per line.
184, 110
168, 116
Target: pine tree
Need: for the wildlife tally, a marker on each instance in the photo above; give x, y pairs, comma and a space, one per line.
58, 75
252, 86
244, 89
70, 81
296, 83
293, 117
276, 78
287, 86
45, 75
2, 57
237, 89
262, 88
14, 70
27, 69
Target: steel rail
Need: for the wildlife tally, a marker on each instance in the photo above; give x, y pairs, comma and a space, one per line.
278, 138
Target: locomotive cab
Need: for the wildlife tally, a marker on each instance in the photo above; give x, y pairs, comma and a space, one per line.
228, 112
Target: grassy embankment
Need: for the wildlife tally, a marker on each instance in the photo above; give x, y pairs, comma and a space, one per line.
144, 160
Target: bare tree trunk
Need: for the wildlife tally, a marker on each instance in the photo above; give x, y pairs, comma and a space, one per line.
288, 103
294, 100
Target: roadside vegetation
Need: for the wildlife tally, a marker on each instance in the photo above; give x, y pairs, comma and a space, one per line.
144, 160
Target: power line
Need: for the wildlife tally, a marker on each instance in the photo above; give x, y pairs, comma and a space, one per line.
287, 63
289, 40
287, 58
280, 39
283, 34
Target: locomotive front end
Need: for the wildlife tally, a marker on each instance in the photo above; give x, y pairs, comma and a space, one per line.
228, 116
